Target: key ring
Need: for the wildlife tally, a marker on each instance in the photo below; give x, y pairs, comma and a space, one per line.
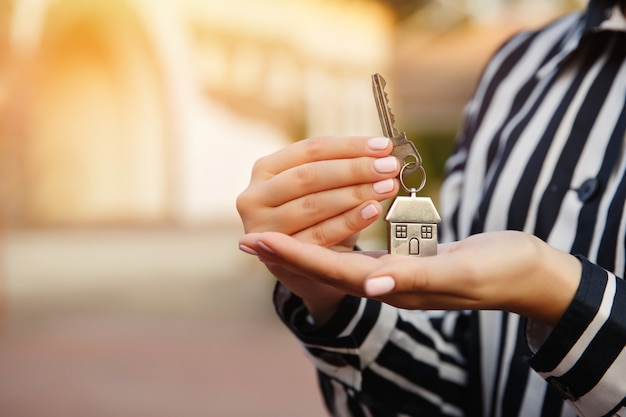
423, 183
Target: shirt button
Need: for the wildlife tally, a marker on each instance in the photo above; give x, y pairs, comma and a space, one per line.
588, 190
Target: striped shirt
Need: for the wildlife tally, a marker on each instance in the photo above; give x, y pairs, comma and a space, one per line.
541, 150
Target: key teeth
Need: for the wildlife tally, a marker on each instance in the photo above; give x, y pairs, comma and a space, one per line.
392, 117
380, 88
386, 100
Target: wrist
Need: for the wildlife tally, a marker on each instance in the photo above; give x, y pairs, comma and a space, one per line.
550, 286
323, 309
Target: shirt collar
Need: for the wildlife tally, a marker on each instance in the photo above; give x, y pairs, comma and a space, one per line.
601, 15
605, 15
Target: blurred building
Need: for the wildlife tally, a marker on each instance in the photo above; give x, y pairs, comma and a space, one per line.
120, 112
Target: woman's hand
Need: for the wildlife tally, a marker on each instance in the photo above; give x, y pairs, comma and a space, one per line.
509, 271
321, 191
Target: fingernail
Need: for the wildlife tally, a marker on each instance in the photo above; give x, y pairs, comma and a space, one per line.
377, 144
387, 164
248, 250
265, 247
369, 211
379, 286
384, 186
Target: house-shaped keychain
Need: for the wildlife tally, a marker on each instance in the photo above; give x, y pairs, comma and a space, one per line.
412, 226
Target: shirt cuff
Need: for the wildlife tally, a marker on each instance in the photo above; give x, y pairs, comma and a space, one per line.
582, 357
348, 342
551, 346
292, 311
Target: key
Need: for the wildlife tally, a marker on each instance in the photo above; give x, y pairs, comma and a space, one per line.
403, 149
411, 221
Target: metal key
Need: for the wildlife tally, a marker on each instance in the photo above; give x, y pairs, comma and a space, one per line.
403, 149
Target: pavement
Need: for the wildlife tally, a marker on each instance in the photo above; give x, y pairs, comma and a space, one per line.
145, 323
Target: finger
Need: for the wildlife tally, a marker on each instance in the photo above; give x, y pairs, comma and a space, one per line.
318, 149
446, 273
310, 178
284, 269
305, 212
336, 229
344, 270
420, 289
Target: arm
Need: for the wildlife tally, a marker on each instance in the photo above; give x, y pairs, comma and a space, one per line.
451, 280
507, 271
576, 308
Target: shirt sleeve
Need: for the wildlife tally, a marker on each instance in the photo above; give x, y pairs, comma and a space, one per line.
374, 359
583, 357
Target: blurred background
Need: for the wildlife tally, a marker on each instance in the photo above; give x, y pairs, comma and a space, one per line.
128, 128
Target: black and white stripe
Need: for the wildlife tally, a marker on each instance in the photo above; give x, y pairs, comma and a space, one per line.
542, 150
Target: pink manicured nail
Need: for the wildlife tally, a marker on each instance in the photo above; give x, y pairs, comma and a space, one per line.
369, 211
265, 247
384, 186
387, 164
377, 144
379, 286
248, 250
